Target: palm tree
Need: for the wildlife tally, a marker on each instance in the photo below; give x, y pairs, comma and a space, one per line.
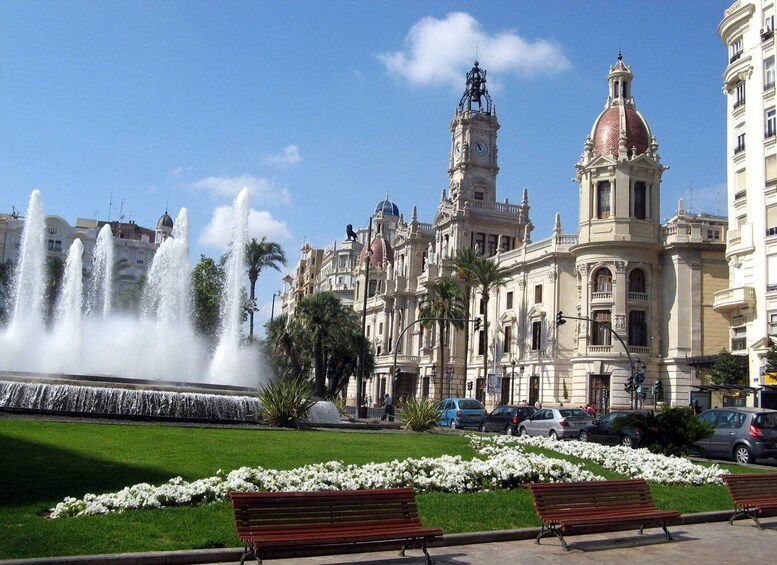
488, 276
446, 306
320, 313
287, 344
261, 254
462, 264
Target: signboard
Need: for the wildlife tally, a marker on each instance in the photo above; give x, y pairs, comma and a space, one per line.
770, 378
494, 385
639, 378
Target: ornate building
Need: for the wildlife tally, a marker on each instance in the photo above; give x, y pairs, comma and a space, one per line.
651, 284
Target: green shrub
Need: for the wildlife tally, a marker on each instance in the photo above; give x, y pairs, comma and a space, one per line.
419, 415
339, 401
669, 432
285, 403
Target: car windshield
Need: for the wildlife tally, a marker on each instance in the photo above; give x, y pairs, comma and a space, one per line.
470, 404
573, 413
767, 420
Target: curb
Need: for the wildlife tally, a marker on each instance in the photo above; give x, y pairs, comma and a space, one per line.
232, 555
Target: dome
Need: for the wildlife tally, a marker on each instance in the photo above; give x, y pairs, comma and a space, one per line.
380, 249
165, 221
607, 130
387, 207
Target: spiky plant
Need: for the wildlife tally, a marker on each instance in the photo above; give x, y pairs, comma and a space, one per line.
285, 403
419, 414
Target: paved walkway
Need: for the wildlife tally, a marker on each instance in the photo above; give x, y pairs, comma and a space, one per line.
708, 543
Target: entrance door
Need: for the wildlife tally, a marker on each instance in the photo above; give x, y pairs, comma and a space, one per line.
505, 396
534, 389
598, 392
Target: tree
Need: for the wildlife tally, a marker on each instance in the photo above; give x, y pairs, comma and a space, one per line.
258, 255
446, 305
727, 370
128, 299
771, 359
462, 264
208, 282
319, 313
285, 339
672, 431
488, 276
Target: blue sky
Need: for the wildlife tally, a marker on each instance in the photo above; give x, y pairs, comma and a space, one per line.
321, 107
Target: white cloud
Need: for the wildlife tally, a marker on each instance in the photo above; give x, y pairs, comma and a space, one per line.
218, 232
288, 158
436, 51
261, 189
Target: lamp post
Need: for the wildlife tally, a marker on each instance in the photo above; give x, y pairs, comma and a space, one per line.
449, 373
272, 310
512, 380
362, 412
639, 373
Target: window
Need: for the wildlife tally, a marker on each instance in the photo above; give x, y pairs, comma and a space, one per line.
373, 288
771, 273
768, 28
771, 122
508, 332
740, 178
52, 231
482, 306
603, 280
536, 335
640, 200
55, 245
739, 99
492, 243
368, 331
637, 281
740, 138
769, 73
771, 170
603, 199
713, 234
600, 334
637, 329
735, 49
480, 242
538, 294
478, 196
771, 221
481, 342
509, 300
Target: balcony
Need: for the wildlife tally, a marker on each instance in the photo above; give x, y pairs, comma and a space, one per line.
592, 349
638, 297
739, 103
735, 57
601, 297
770, 183
639, 350
771, 231
739, 148
740, 195
732, 299
768, 86
769, 133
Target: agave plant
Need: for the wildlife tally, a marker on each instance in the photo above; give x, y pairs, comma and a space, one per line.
419, 415
285, 403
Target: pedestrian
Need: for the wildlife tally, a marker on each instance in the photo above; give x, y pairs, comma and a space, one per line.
388, 408
538, 404
590, 410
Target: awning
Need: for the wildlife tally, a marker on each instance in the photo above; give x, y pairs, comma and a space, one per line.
726, 388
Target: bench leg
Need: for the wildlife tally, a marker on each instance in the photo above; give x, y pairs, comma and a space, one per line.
426, 553
550, 529
249, 550
402, 551
750, 513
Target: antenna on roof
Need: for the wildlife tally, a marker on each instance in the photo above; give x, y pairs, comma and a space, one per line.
691, 207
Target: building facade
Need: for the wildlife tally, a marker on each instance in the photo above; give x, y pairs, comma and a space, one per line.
637, 294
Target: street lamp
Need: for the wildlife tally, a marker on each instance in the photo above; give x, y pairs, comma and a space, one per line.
449, 373
512, 380
272, 310
639, 378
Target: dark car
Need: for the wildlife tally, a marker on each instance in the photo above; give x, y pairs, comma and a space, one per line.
743, 434
603, 430
506, 419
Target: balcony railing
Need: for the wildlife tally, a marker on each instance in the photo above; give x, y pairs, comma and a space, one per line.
640, 296
768, 86
769, 133
770, 183
601, 296
771, 231
639, 349
741, 194
599, 348
739, 148
733, 298
771, 287
734, 57
739, 103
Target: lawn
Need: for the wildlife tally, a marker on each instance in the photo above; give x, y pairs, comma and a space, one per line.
45, 461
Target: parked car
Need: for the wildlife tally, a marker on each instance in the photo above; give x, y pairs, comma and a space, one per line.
556, 423
506, 419
461, 413
602, 430
743, 434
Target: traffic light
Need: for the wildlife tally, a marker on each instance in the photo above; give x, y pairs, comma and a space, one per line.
397, 372
477, 324
630, 383
560, 318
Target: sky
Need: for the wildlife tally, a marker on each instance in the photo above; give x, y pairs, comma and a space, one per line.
322, 107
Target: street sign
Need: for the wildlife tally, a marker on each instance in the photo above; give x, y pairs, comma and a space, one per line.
640, 378
494, 385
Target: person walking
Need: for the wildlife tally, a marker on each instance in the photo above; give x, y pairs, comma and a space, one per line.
388, 408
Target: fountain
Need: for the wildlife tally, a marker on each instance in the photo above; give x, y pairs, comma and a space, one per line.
93, 360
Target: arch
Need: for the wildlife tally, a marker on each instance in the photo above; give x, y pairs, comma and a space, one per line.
602, 280
637, 281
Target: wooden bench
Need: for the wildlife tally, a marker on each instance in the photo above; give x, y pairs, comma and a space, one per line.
273, 521
565, 507
752, 494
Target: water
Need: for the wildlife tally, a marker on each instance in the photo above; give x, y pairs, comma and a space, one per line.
86, 337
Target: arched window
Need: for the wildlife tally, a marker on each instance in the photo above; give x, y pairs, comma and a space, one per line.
637, 281
603, 280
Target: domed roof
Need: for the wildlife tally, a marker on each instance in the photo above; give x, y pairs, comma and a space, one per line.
387, 207
380, 249
165, 221
607, 130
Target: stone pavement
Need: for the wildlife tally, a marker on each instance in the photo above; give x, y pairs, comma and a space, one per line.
708, 543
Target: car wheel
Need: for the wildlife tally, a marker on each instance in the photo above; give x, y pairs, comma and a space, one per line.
626, 441
509, 431
483, 427
453, 424
743, 455
523, 431
553, 435
583, 436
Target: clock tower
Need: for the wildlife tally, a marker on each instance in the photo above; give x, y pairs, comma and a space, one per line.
473, 164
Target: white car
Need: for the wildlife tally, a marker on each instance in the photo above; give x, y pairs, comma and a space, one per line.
556, 423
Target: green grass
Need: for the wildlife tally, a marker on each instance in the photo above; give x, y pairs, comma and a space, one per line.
43, 461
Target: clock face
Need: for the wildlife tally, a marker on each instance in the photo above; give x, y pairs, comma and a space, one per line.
480, 148
457, 150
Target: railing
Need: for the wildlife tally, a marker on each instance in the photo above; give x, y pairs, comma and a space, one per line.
601, 296
739, 148
425, 227
768, 86
639, 349
498, 206
771, 287
770, 183
599, 348
734, 57
641, 296
741, 194
738, 343
771, 231
739, 103
769, 133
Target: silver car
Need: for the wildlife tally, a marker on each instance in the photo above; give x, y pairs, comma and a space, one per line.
556, 423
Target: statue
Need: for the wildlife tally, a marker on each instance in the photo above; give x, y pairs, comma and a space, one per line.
350, 234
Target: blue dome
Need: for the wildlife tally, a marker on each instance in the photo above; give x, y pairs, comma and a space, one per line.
387, 207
